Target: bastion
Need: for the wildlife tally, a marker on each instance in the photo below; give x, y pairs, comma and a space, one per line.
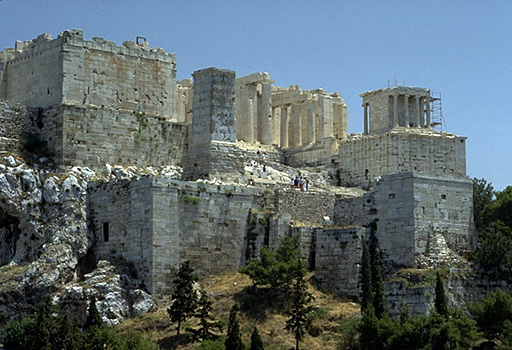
239, 141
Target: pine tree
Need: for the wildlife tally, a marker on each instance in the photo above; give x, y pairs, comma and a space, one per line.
234, 337
440, 301
256, 342
184, 298
299, 322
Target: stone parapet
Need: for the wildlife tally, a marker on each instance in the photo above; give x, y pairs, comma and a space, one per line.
363, 158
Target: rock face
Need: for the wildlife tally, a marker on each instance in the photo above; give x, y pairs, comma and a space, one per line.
45, 244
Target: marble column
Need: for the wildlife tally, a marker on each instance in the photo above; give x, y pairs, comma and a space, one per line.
265, 124
427, 107
284, 126
395, 109
365, 121
311, 123
418, 112
294, 135
406, 106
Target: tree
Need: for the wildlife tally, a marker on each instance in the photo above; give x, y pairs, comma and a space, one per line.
93, 316
492, 313
15, 334
299, 320
234, 337
206, 321
483, 194
366, 277
440, 303
184, 297
276, 267
256, 341
494, 250
379, 302
499, 209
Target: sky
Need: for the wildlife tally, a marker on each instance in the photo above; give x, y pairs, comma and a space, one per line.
460, 49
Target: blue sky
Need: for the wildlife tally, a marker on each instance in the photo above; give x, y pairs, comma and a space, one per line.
462, 49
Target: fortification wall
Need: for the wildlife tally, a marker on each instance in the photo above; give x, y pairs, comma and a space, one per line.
363, 158
304, 207
120, 215
415, 216
338, 260
13, 118
91, 136
159, 223
71, 70
33, 72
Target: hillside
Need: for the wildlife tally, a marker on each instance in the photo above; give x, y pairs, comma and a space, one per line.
263, 309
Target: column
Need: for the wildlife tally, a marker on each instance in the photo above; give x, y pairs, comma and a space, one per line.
252, 106
365, 120
311, 123
427, 106
250, 121
395, 109
284, 126
265, 126
418, 112
406, 103
295, 125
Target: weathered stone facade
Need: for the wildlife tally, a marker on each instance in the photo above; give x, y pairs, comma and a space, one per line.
96, 103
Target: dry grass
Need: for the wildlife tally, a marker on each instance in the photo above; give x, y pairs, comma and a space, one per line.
264, 309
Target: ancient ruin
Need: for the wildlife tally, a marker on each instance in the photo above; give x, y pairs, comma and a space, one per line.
239, 142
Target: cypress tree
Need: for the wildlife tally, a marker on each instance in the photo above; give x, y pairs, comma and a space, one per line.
93, 316
379, 302
366, 277
299, 321
256, 342
440, 301
234, 337
206, 321
184, 298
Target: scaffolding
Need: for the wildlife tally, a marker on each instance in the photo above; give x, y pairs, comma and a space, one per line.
436, 113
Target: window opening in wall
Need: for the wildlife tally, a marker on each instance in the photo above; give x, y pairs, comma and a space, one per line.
443, 196
366, 173
391, 196
106, 231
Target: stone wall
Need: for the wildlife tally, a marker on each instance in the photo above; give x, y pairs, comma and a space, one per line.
159, 223
12, 122
414, 215
318, 154
71, 70
363, 158
338, 260
92, 136
304, 207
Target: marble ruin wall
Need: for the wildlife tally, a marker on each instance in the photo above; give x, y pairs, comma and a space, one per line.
214, 120
32, 72
13, 119
71, 70
159, 223
363, 158
338, 260
414, 216
92, 136
120, 227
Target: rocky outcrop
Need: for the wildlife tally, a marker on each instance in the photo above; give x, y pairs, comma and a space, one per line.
46, 243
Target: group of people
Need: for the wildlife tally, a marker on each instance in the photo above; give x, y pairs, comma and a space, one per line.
300, 182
